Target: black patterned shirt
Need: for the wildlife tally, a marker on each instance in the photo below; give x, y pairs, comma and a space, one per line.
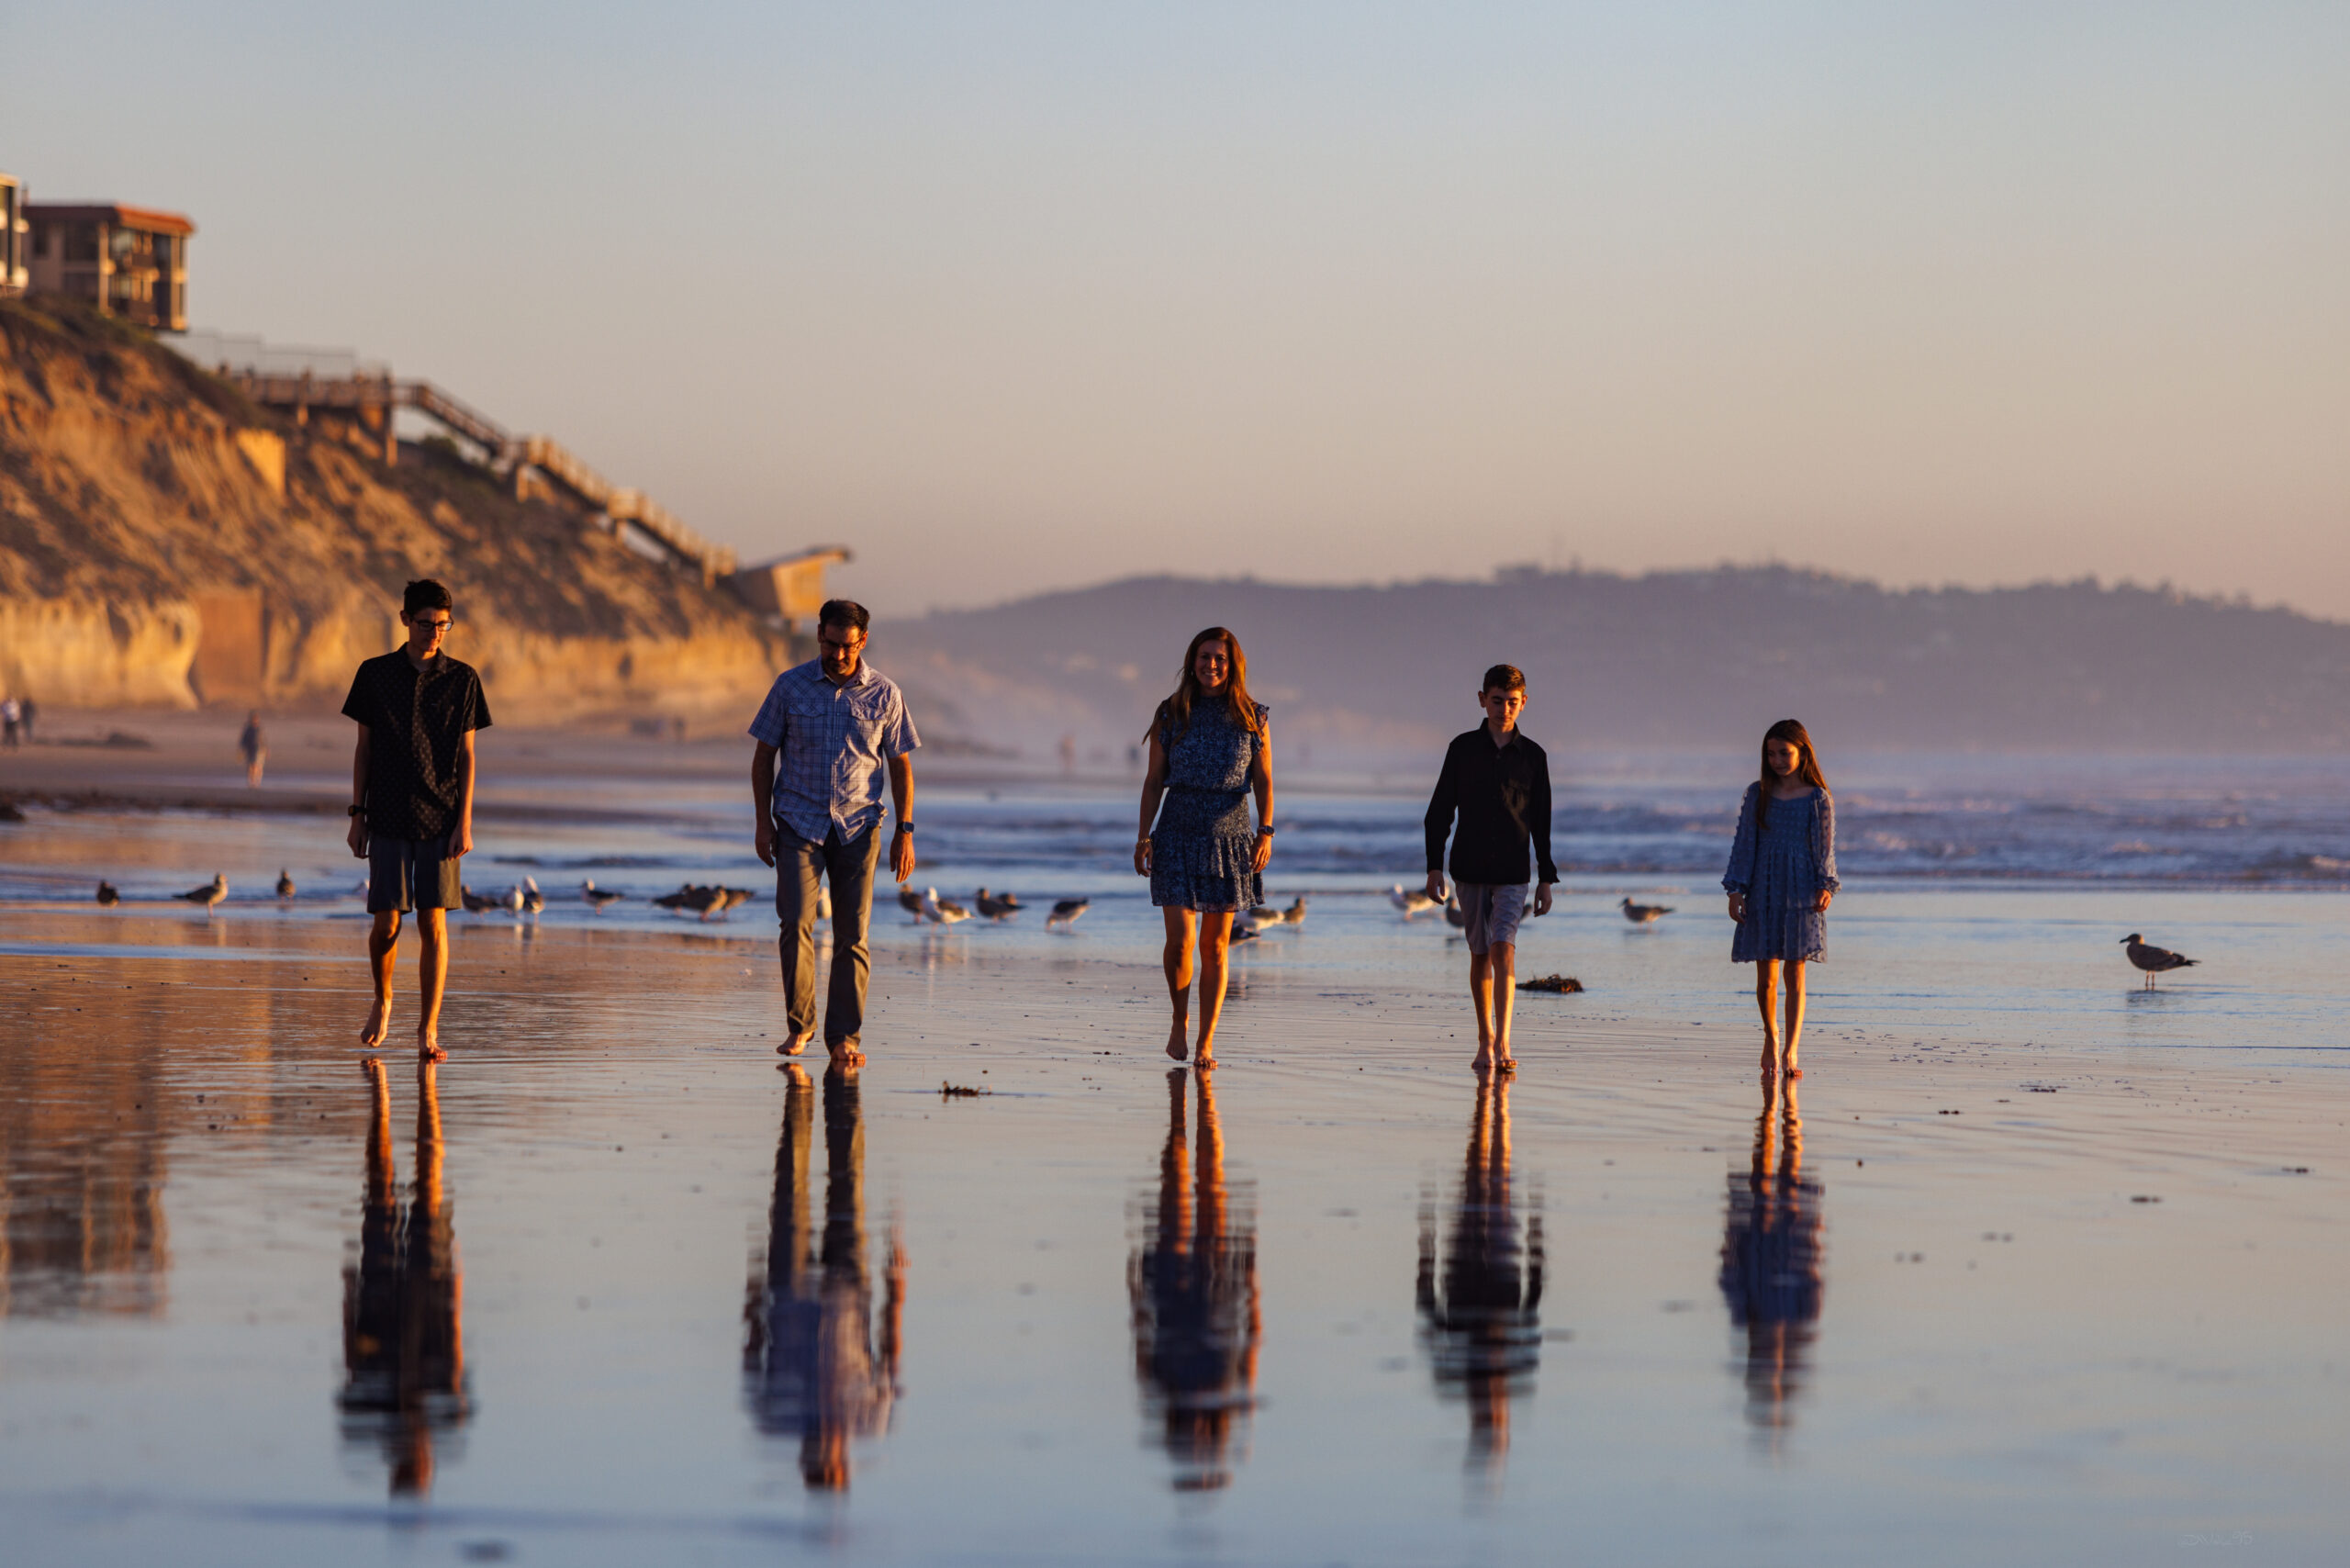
416, 720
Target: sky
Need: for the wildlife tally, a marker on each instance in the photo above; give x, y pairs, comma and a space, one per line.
1016, 296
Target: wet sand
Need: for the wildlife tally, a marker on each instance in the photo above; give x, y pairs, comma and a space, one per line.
618, 1285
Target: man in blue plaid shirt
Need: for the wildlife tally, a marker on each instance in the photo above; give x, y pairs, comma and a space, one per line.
835, 725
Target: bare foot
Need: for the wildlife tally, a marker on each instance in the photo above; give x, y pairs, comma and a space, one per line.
378, 1017
1795, 1073
795, 1044
428, 1045
1177, 1046
1770, 1058
843, 1053
1484, 1062
1506, 1065
1205, 1063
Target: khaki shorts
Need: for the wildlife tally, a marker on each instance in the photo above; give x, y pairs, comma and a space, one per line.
1494, 910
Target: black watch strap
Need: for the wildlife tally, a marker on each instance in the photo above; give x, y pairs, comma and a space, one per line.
905, 826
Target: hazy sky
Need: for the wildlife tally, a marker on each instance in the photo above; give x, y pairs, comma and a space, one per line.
1009, 296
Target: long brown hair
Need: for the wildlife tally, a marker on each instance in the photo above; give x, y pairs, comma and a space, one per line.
1177, 710
1807, 764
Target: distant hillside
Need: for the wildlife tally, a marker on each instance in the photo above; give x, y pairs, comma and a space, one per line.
162, 541
1364, 676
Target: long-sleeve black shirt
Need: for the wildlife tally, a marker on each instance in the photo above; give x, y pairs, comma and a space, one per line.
1503, 797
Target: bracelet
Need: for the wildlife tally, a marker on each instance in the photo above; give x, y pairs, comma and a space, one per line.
1266, 831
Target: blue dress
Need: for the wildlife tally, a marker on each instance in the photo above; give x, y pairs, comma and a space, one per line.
1203, 845
1782, 869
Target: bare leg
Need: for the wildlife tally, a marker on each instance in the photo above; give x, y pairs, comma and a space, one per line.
1795, 1016
1502, 959
433, 967
1481, 997
383, 945
1177, 961
1216, 946
1766, 995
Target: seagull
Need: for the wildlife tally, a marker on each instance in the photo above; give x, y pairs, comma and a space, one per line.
1266, 915
106, 894
700, 900
996, 908
533, 900
595, 896
910, 901
474, 902
1066, 912
2153, 960
1411, 902
1645, 913
210, 894
946, 912
514, 900
284, 883
1245, 930
729, 898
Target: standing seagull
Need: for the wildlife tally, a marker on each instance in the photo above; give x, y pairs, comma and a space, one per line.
910, 901
106, 894
946, 912
998, 907
534, 901
1645, 913
2154, 960
1066, 912
284, 883
1412, 902
210, 894
595, 896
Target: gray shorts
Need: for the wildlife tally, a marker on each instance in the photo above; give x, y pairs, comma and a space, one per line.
1494, 910
411, 873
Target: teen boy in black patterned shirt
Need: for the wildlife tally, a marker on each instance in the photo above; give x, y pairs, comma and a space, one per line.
412, 797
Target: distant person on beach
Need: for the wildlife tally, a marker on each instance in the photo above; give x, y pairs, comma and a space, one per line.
412, 797
11, 715
1782, 875
26, 712
255, 746
1497, 782
1210, 746
827, 732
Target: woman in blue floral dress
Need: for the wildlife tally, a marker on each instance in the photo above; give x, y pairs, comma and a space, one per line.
1209, 748
1782, 875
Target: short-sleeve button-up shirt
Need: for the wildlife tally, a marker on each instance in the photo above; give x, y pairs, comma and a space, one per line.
832, 743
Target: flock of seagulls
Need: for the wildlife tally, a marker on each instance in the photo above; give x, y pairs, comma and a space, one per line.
926, 905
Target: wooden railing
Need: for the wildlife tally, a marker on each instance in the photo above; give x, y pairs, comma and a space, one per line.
519, 458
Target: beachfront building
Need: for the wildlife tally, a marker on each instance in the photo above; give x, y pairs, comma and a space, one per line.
15, 236
129, 262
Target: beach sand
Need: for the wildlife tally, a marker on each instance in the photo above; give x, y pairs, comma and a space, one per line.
1986, 1302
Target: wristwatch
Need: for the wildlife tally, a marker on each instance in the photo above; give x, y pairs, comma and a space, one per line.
905, 826
354, 810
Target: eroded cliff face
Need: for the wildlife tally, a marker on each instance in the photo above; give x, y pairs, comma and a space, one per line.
164, 542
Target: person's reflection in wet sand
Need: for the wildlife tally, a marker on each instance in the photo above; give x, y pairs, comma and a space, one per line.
403, 1346
811, 1368
1480, 1306
1771, 1255
1192, 1282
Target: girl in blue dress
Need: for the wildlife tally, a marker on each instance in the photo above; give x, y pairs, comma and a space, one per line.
1782, 875
1209, 749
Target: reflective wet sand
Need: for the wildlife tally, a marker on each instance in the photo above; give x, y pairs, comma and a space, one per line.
610, 1286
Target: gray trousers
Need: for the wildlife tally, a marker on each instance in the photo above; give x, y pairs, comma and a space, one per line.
799, 862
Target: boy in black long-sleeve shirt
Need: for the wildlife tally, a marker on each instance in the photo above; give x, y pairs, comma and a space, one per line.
1499, 782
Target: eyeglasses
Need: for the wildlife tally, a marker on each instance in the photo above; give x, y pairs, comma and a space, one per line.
839, 645
440, 625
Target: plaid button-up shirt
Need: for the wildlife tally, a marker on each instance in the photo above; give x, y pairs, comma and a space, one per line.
832, 743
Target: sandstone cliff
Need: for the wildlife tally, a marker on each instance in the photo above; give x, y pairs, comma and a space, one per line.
164, 542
